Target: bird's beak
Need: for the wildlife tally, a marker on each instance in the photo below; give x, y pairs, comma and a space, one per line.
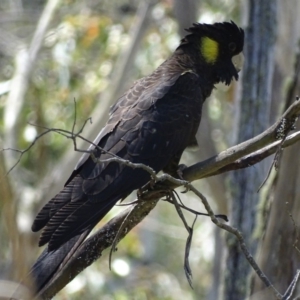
238, 61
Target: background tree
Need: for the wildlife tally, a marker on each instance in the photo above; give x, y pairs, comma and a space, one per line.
255, 106
281, 208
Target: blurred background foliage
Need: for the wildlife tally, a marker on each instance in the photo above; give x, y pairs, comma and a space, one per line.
79, 53
80, 59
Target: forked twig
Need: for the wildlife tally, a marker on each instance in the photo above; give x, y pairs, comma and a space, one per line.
241, 240
282, 133
187, 268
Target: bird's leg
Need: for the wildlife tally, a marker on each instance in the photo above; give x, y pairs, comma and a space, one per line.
180, 170
193, 144
173, 168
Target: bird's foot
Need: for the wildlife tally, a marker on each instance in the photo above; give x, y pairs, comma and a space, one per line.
180, 170
148, 186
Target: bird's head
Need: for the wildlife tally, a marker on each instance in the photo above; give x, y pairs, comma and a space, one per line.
217, 46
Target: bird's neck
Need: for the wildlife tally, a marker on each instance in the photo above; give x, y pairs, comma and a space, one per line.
182, 62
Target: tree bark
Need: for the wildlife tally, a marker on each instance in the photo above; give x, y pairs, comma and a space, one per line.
254, 107
281, 233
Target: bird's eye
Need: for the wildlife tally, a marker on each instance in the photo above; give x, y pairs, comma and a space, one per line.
232, 46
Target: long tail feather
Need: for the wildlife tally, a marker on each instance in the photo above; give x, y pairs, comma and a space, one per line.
50, 263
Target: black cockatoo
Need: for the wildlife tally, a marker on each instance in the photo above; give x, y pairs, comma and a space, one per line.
152, 124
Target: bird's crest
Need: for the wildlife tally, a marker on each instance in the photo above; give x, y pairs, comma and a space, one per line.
210, 36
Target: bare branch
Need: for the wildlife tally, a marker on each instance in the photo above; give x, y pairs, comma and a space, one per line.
93, 247
65, 133
211, 165
223, 217
259, 155
118, 227
241, 240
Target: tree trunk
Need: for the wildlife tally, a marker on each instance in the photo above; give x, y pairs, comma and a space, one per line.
254, 112
281, 233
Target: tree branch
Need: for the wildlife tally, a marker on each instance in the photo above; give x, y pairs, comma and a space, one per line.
260, 146
93, 247
275, 132
239, 156
259, 155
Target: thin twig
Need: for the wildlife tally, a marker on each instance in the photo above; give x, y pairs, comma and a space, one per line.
75, 117
220, 216
65, 133
289, 292
295, 227
187, 268
282, 133
241, 240
117, 236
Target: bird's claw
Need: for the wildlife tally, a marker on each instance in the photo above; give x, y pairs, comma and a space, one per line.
180, 170
148, 186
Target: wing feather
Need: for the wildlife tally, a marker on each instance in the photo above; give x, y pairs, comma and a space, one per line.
150, 124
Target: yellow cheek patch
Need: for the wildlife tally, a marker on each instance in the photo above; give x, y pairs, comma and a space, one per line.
209, 49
